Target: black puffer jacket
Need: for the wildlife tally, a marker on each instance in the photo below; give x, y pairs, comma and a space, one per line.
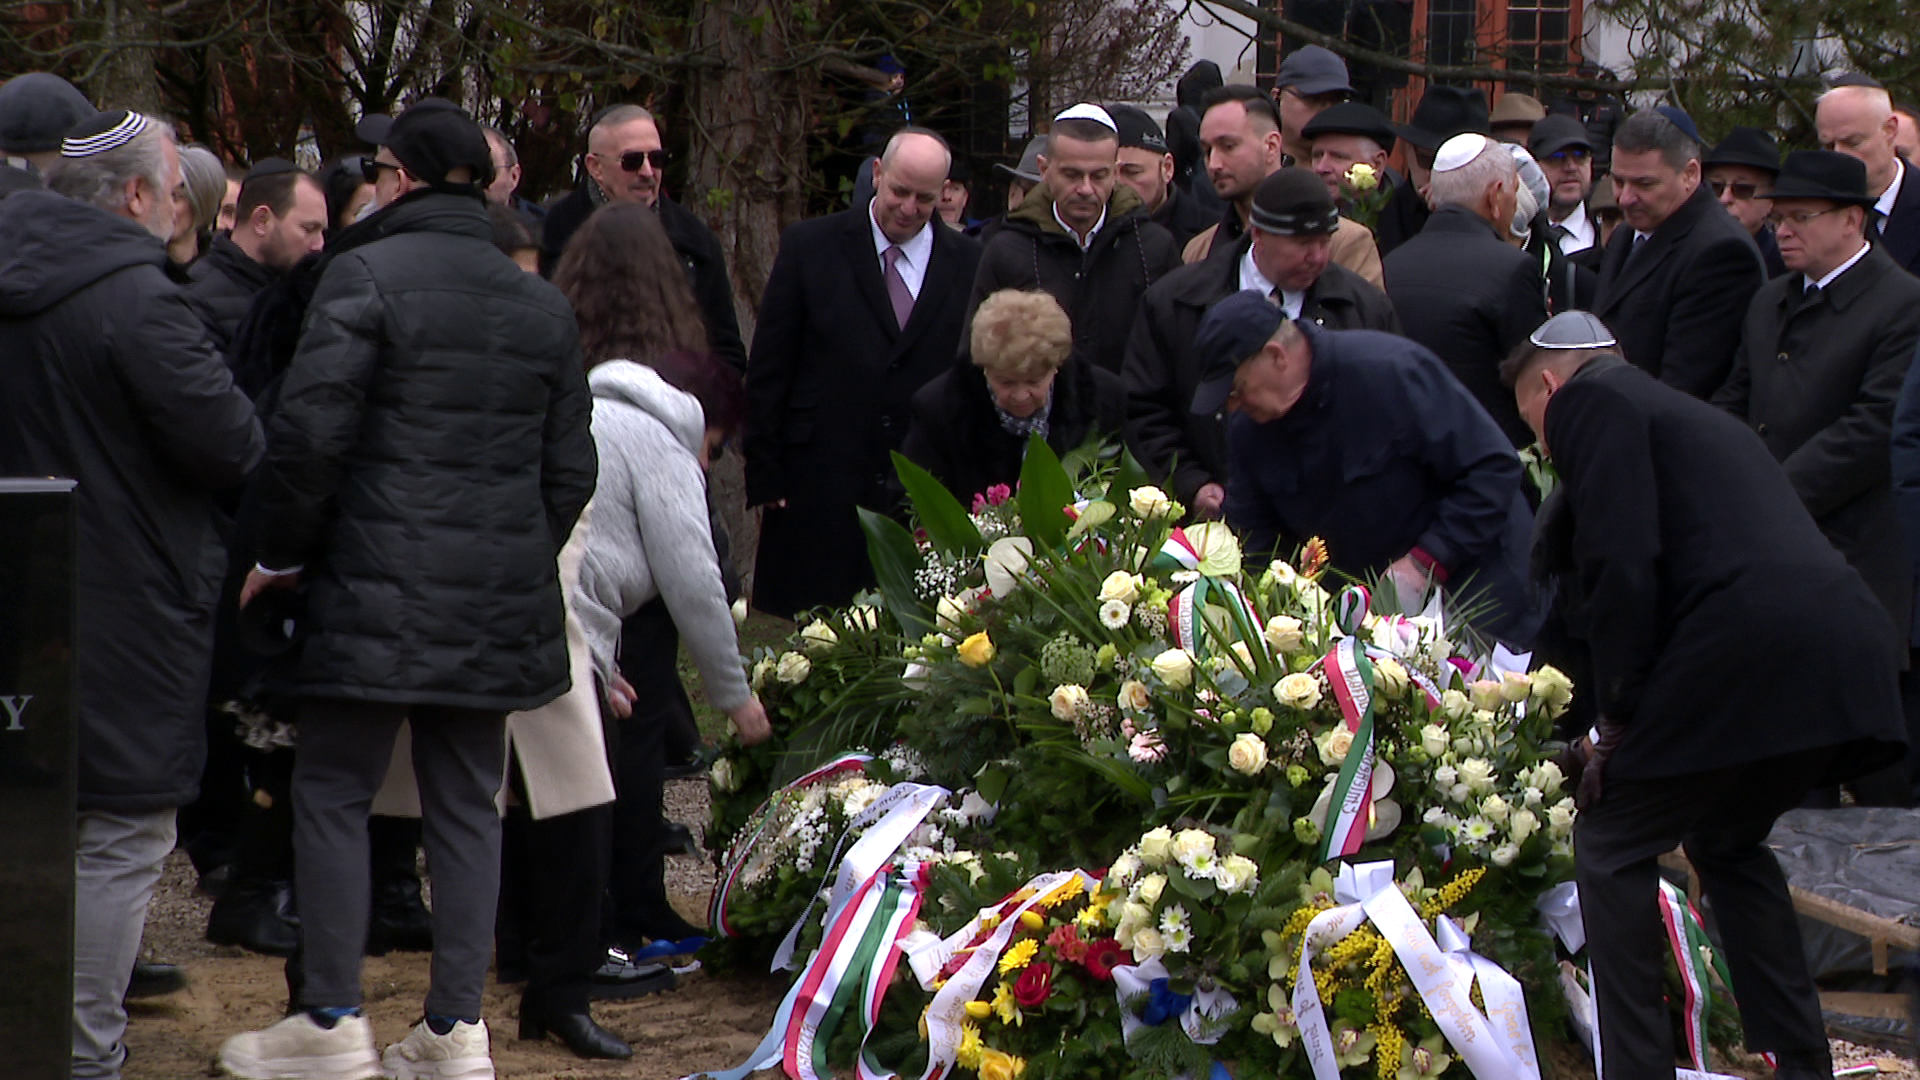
108, 378
223, 283
1099, 288
956, 433
429, 456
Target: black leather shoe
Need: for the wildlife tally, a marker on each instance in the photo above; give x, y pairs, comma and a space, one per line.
582, 1036
152, 980
619, 978
257, 916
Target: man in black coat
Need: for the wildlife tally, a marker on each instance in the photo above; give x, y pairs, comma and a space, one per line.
280, 219
1738, 169
1821, 361
1146, 166
1859, 121
1364, 440
109, 380
1285, 256
1443, 112
1676, 281
1565, 153
624, 163
1718, 620
862, 308
1081, 236
430, 455
1460, 288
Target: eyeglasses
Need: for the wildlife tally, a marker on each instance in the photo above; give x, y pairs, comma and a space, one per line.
1799, 218
635, 160
1742, 190
370, 168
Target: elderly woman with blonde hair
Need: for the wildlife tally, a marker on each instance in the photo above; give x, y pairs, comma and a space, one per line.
971, 425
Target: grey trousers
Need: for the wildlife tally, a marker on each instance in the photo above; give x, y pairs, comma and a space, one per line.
458, 758
116, 865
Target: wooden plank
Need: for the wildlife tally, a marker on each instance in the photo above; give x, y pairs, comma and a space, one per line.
1878, 1006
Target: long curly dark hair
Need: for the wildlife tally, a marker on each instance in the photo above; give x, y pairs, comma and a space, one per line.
628, 289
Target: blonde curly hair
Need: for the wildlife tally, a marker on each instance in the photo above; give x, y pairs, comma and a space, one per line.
1021, 334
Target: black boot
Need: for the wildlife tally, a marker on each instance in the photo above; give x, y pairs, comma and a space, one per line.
257, 916
154, 979
577, 1029
400, 921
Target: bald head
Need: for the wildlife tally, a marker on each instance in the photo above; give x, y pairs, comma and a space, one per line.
1858, 121
624, 155
907, 181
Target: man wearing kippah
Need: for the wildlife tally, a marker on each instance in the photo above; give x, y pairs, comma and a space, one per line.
1364, 440
110, 380
1285, 256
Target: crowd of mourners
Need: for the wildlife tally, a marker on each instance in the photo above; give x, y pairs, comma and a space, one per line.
394, 519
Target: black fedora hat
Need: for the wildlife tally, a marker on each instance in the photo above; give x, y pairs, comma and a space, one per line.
1822, 174
1351, 118
1443, 112
1747, 146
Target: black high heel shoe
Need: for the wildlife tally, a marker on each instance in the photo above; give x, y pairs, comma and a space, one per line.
582, 1036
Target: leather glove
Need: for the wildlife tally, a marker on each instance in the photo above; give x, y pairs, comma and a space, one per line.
1592, 776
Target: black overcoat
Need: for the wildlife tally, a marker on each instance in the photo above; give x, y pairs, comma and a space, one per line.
1470, 297
1179, 449
1901, 230
828, 386
1676, 306
109, 379
1817, 379
1722, 626
222, 284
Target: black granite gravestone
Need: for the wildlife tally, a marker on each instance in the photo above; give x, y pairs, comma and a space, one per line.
36, 778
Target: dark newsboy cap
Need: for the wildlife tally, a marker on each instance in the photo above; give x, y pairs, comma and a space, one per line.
1558, 132
1230, 334
433, 137
37, 110
1352, 118
1746, 146
1822, 174
1443, 112
1294, 202
1311, 71
1137, 129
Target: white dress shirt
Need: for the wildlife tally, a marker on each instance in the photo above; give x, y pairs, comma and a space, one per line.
1252, 278
1580, 233
1091, 233
1892, 195
914, 254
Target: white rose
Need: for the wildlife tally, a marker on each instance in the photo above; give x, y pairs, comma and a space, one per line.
1115, 613
1560, 819
1334, 744
1552, 687
1192, 843
917, 676
1433, 739
1516, 686
792, 668
1149, 890
1391, 678
1123, 868
817, 637
723, 777
1486, 694
739, 611
1150, 502
1236, 873
1548, 778
1522, 825
1121, 586
1133, 696
1495, 809
1298, 690
1148, 944
1174, 667
1455, 705
1156, 847
1248, 754
864, 617
762, 671
1446, 776
949, 612
1137, 913
1244, 654
1505, 854
1477, 774
1284, 633
1068, 701
1460, 793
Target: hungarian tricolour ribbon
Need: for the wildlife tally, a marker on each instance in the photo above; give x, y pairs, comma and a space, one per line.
740, 853
1350, 672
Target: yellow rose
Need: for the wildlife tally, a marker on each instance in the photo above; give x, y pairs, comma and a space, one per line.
1068, 701
1361, 177
1174, 667
1218, 548
977, 651
1298, 690
1133, 696
1150, 502
1248, 754
792, 668
1121, 586
1334, 745
817, 637
1284, 633
996, 1065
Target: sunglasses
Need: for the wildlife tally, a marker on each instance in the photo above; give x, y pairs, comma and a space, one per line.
1742, 190
370, 168
1563, 156
635, 160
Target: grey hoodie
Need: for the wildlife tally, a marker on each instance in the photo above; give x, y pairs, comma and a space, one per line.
648, 534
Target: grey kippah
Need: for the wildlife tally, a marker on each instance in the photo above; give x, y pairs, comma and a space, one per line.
1573, 330
103, 132
36, 110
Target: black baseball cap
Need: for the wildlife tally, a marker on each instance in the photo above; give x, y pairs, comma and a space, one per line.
433, 137
1557, 132
1311, 71
1237, 328
1137, 129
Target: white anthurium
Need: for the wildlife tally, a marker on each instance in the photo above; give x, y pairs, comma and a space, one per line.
1005, 562
1383, 817
917, 676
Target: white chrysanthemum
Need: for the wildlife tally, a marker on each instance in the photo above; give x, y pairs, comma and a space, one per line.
1477, 830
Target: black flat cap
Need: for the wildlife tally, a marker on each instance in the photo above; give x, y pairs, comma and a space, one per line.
1747, 146
37, 110
1822, 174
1443, 112
1294, 202
1311, 71
1230, 334
1557, 132
433, 137
1137, 129
1352, 118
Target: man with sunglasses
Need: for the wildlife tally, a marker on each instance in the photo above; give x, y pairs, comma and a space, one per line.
1738, 170
1823, 354
626, 162
1565, 152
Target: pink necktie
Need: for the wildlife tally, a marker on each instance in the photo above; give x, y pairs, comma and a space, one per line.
897, 286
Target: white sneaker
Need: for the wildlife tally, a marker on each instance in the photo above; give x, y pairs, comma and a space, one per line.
299, 1049
460, 1054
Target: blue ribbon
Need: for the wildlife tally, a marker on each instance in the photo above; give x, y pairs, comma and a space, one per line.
1163, 1004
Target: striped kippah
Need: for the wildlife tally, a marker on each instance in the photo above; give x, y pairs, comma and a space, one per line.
99, 134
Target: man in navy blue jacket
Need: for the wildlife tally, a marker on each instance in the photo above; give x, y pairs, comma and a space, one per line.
1365, 440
